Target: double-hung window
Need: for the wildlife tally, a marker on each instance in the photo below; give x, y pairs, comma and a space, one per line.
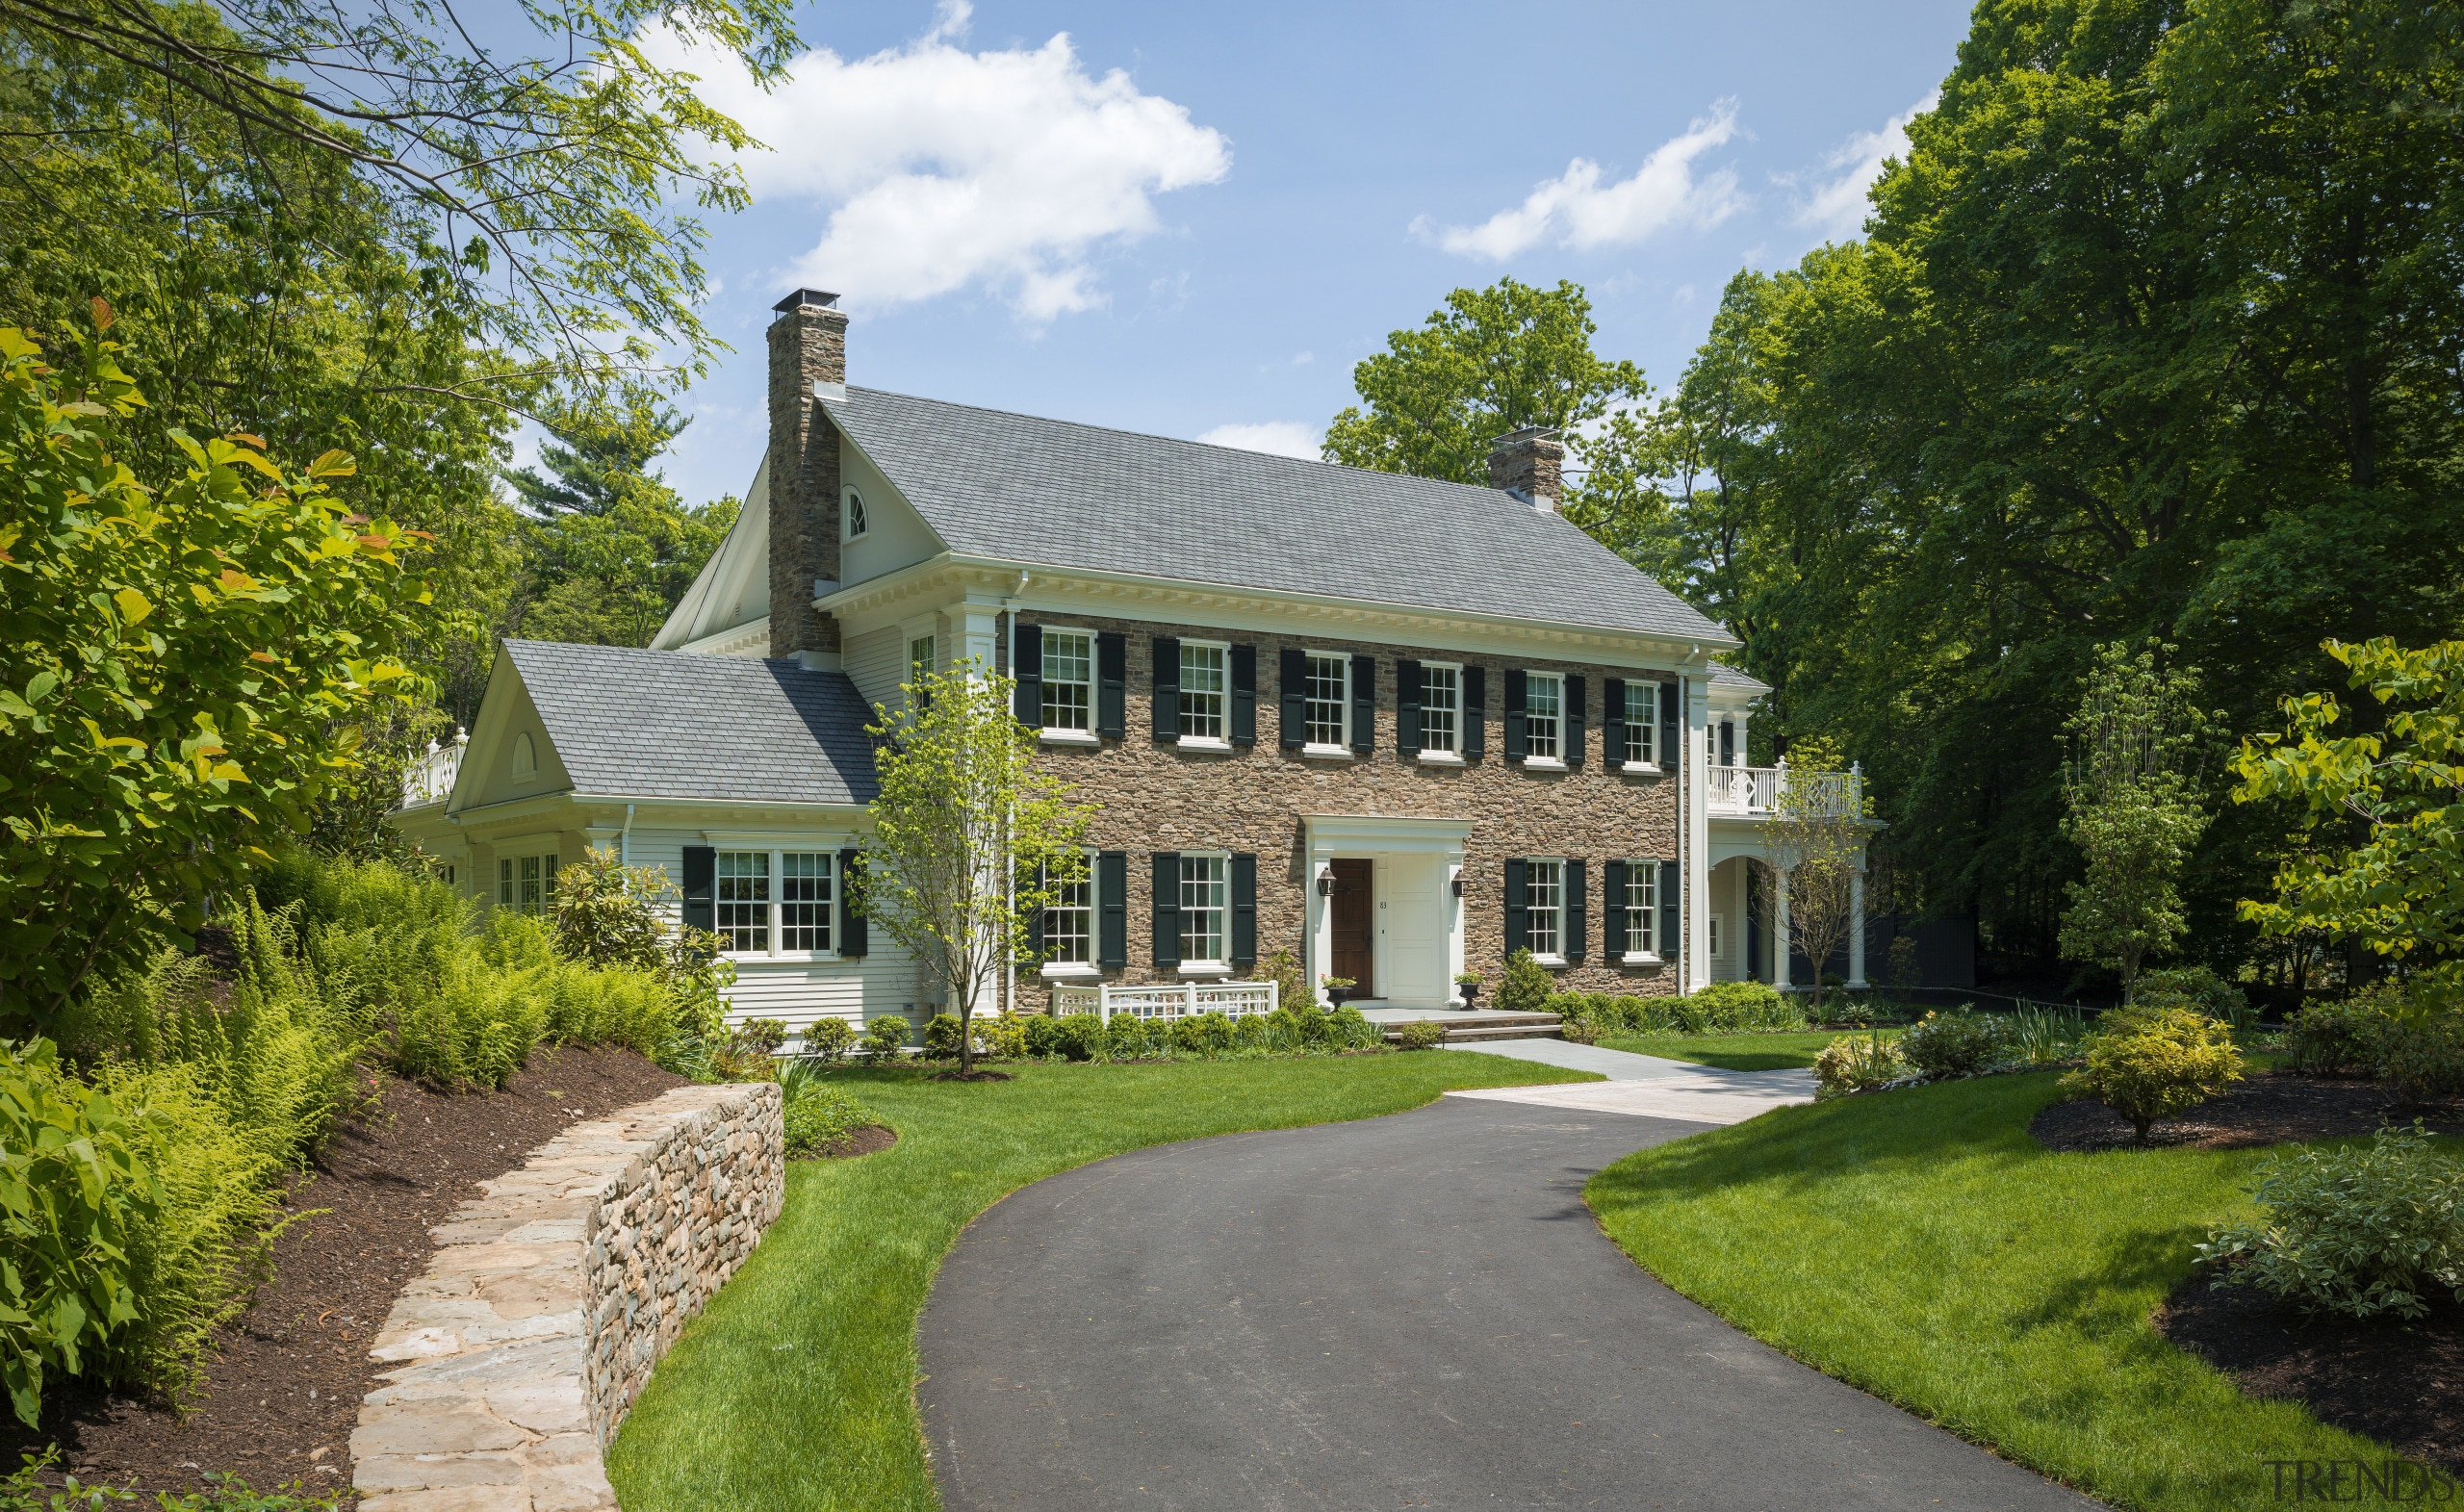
1642, 724
920, 658
1205, 911
1069, 924
1329, 699
1441, 709
743, 901
804, 900
1543, 703
528, 885
1205, 678
1069, 680
1642, 906
774, 903
1544, 899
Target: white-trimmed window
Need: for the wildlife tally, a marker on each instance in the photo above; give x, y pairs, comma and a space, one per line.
1642, 906
1717, 920
857, 520
1543, 703
1441, 707
1329, 700
1642, 724
1069, 680
743, 902
528, 883
1205, 910
526, 758
1206, 680
1544, 907
776, 902
806, 900
920, 658
1069, 924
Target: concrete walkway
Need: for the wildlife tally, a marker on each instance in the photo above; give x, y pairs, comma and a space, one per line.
1415, 1310
1643, 1084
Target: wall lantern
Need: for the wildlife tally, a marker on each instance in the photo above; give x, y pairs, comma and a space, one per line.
1458, 886
1326, 884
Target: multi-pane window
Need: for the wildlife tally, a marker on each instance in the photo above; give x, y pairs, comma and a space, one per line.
803, 900
1543, 708
1329, 698
1441, 707
858, 521
1069, 924
743, 902
1204, 909
1642, 721
528, 883
1716, 922
1642, 900
1069, 679
1544, 902
919, 658
1204, 677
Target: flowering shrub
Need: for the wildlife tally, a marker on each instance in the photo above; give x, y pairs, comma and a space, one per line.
2357, 1231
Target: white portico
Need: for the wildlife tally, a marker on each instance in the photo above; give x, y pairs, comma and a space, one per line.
1384, 906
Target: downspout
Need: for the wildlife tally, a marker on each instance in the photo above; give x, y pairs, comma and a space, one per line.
1684, 833
625, 839
1010, 878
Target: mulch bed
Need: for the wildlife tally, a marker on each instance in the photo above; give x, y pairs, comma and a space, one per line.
2262, 1109
283, 1394
870, 1140
970, 1076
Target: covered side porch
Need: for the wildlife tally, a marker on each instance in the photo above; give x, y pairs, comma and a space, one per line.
1746, 891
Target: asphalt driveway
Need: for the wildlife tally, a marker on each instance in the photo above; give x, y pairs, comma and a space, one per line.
1414, 1311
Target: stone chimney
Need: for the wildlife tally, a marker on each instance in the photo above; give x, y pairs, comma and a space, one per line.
1526, 463
807, 366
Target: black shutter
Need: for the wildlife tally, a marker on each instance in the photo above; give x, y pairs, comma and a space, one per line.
1612, 911
1518, 732
1578, 911
1244, 911
855, 931
701, 875
1407, 708
1035, 920
1029, 705
1167, 688
1728, 743
1669, 922
1112, 903
1573, 721
1168, 907
1518, 909
1111, 677
1244, 695
1612, 724
1364, 704
1295, 698
1475, 713
1669, 749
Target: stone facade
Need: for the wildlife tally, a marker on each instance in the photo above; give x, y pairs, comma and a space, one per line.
1530, 462
550, 1299
1154, 795
807, 346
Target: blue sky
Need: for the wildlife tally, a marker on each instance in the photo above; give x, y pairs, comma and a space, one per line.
1181, 218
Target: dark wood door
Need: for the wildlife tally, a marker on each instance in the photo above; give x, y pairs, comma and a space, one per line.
1355, 934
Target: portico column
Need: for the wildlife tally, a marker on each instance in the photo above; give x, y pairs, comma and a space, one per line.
979, 627
1698, 830
1782, 971
1856, 924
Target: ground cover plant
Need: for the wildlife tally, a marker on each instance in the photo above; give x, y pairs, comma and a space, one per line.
795, 1388
1921, 1246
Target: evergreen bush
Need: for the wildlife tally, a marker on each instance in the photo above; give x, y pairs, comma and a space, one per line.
1960, 1043
1042, 1033
829, 1039
1082, 1036
941, 1038
2152, 1063
1202, 1033
2327, 1038
1125, 1039
2416, 1049
1421, 1034
885, 1038
1526, 986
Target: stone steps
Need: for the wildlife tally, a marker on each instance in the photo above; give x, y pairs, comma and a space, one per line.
1463, 1028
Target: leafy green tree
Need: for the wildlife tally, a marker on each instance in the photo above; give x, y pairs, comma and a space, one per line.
182, 667
2132, 805
2384, 809
962, 809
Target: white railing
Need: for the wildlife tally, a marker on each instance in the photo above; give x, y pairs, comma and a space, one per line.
429, 777
1758, 791
1168, 1000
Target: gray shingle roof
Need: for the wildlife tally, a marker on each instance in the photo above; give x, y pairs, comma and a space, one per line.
669, 724
1018, 488
1724, 675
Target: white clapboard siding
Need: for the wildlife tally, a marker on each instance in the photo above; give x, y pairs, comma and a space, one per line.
876, 662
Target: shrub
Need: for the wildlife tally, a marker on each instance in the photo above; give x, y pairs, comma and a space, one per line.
2417, 1050
1960, 1043
2197, 988
1042, 1033
829, 1039
1348, 1029
2325, 1037
2357, 1231
1301, 1026
1526, 985
1003, 1035
885, 1038
817, 1113
1729, 1006
1852, 1063
1126, 1038
1421, 1034
2156, 1062
1081, 1037
941, 1038
1292, 983
609, 914
1634, 1014
1202, 1034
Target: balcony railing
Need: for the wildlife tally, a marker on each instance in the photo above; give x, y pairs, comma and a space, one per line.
429, 777
1758, 791
1168, 1000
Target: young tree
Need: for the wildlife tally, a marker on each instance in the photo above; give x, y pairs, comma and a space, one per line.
2400, 890
2131, 804
1816, 839
972, 839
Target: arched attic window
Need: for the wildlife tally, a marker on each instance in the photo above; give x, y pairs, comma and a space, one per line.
857, 521
526, 756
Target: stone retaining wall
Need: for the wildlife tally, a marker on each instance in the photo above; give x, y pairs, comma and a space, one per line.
548, 1300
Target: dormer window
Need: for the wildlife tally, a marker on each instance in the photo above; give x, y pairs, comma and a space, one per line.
526, 758
857, 521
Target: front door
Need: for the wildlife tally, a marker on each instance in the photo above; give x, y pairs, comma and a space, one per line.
1353, 930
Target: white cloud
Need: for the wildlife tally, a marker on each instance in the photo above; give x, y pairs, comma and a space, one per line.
945, 169
1285, 438
1580, 212
1837, 206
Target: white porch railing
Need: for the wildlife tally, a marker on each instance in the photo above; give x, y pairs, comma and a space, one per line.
429, 777
1757, 790
1168, 1000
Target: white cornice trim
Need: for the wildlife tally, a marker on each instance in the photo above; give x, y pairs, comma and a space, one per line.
1063, 590
752, 638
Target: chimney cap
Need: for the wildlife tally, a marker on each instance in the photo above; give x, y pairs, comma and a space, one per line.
814, 298
1527, 433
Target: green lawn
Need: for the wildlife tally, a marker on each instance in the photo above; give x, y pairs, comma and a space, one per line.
1748, 1052
1920, 1246
797, 1387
